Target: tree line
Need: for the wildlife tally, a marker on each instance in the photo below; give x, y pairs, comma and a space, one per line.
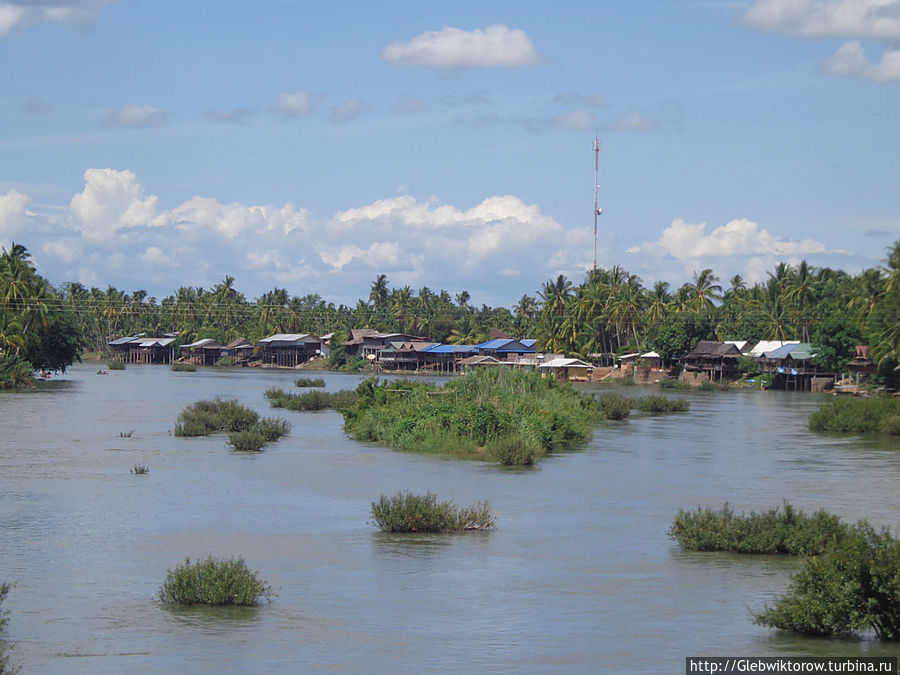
611, 310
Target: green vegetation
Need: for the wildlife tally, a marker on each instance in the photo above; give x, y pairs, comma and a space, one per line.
115, 365
213, 581
858, 415
503, 414
266, 430
407, 512
5, 668
15, 372
140, 470
618, 407
311, 400
184, 368
853, 586
785, 531
207, 417
310, 382
126, 434
672, 383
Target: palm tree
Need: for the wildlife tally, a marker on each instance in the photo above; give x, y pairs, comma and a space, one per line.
379, 292
705, 289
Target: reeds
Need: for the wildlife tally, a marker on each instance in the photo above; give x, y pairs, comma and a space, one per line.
213, 581
408, 512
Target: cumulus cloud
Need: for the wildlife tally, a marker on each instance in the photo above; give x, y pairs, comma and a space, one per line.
577, 120
453, 48
19, 13
14, 217
111, 201
294, 104
850, 61
866, 19
683, 240
136, 116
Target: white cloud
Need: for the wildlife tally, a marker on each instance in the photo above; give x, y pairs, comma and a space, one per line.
294, 104
634, 121
136, 116
111, 200
578, 120
685, 241
350, 110
14, 218
866, 19
850, 61
452, 48
19, 13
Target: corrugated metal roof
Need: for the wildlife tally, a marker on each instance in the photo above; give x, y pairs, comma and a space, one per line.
124, 340
764, 346
288, 337
450, 349
566, 363
495, 344
781, 352
528, 342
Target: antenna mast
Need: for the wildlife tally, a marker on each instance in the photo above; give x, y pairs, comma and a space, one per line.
597, 209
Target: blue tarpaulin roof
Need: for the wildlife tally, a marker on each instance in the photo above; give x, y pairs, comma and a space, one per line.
450, 349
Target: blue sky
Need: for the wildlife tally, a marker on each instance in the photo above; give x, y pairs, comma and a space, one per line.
313, 144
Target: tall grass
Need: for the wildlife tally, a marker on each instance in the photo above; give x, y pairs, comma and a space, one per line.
858, 415
786, 531
310, 400
408, 512
184, 368
309, 382
115, 365
206, 417
213, 581
511, 416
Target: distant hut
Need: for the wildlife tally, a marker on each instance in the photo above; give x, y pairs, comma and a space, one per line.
239, 349
567, 369
288, 350
142, 349
717, 359
202, 352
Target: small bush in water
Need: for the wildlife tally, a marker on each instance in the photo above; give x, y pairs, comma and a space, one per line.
206, 417
140, 470
407, 512
515, 450
784, 530
310, 382
213, 581
184, 368
247, 441
853, 586
615, 406
857, 415
115, 365
660, 404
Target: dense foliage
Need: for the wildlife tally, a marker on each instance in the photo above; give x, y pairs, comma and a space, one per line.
785, 531
309, 382
213, 581
408, 512
853, 586
858, 415
206, 417
311, 400
508, 415
610, 311
34, 328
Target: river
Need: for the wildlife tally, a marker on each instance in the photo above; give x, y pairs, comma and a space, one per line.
579, 575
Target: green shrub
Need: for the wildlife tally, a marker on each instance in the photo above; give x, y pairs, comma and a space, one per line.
272, 428
890, 424
15, 372
672, 383
247, 441
115, 365
785, 531
614, 406
140, 470
206, 417
126, 434
660, 404
311, 400
407, 512
310, 382
515, 450
853, 586
213, 581
184, 368
855, 415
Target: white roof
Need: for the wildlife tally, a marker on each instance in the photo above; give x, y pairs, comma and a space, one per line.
650, 355
629, 356
198, 343
768, 346
286, 337
740, 344
565, 363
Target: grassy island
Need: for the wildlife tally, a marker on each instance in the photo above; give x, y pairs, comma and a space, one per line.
213, 581
246, 430
506, 415
858, 415
776, 531
407, 512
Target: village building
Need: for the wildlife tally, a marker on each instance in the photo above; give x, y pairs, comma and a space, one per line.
505, 349
142, 349
202, 352
239, 349
710, 360
567, 369
400, 355
288, 350
793, 363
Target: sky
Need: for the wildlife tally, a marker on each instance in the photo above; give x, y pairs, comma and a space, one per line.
315, 144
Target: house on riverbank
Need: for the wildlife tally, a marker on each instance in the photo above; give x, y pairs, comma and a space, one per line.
288, 350
202, 352
715, 360
142, 349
